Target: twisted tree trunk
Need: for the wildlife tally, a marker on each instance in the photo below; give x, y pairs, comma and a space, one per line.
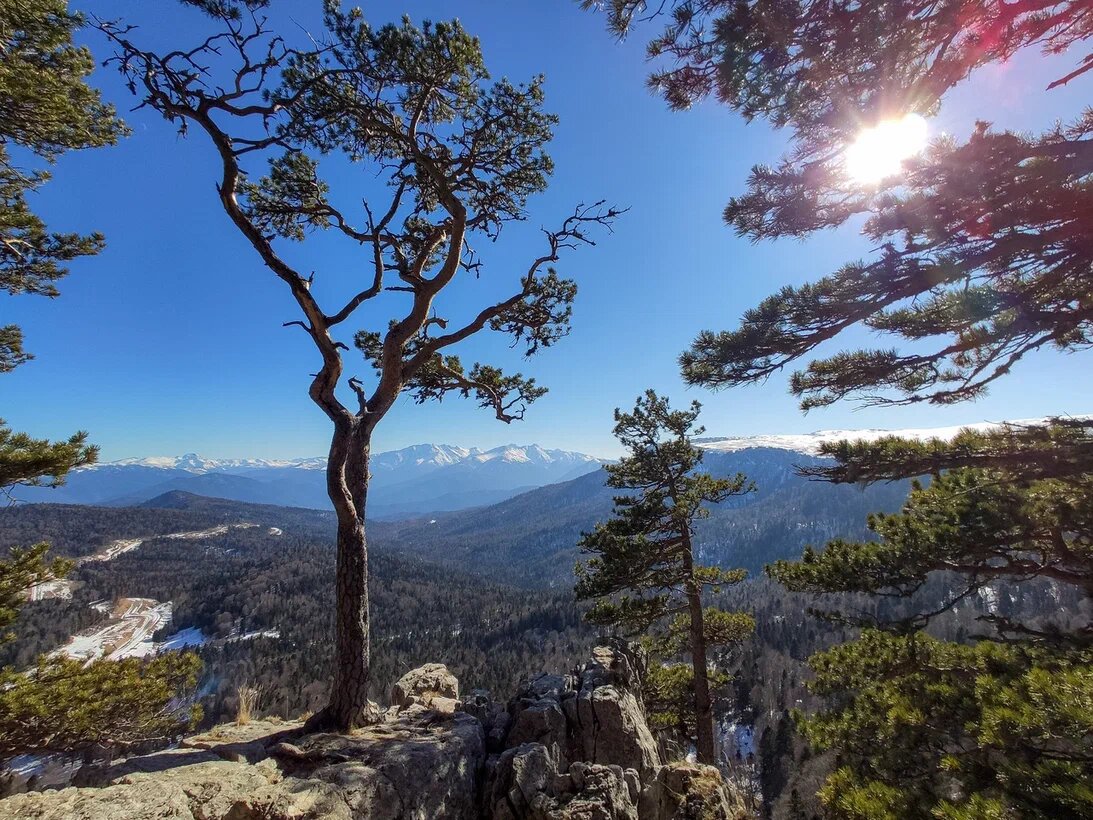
347, 486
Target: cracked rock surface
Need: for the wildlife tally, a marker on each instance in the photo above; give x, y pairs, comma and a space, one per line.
415, 766
566, 747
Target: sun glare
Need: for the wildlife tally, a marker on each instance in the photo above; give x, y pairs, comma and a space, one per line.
879, 152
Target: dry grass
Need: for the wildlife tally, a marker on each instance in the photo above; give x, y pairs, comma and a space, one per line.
248, 704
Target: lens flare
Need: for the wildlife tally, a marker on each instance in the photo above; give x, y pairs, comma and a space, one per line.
879, 152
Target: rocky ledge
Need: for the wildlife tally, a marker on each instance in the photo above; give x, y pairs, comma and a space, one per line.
573, 747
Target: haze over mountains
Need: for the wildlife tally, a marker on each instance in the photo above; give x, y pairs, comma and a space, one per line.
411, 481
414, 481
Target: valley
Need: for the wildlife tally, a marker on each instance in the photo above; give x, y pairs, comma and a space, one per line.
487, 591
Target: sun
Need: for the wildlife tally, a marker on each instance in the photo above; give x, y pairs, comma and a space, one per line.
879, 152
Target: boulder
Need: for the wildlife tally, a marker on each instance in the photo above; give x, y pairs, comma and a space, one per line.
420, 686
211, 790
537, 717
493, 716
416, 768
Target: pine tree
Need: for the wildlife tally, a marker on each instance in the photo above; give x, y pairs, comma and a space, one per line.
985, 257
644, 572
404, 109
47, 108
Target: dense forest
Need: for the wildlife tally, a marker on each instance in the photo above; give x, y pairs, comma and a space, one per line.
277, 589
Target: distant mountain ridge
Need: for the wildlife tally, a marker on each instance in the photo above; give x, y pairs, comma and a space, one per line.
435, 455
810, 443
420, 479
414, 481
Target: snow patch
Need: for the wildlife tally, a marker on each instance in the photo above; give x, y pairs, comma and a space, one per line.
124, 545
56, 588
191, 636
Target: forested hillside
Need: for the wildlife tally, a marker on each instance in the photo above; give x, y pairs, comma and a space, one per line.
486, 591
277, 589
531, 539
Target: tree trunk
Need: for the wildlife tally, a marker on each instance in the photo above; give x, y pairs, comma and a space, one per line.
347, 485
703, 706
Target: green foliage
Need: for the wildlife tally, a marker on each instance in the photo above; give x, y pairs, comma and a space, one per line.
64, 704
1003, 722
46, 108
809, 62
1005, 726
643, 555
667, 690
979, 524
37, 462
24, 568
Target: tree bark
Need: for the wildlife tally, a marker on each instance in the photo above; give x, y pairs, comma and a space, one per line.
347, 486
704, 744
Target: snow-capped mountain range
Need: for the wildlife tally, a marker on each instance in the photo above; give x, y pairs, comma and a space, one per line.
424, 478
415, 480
423, 456
810, 443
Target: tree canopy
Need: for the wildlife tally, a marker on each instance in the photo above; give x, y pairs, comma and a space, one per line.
439, 157
984, 257
980, 240
46, 108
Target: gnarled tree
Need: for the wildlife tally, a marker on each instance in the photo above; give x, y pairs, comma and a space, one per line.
459, 156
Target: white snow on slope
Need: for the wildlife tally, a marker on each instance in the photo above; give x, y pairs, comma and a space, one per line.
57, 588
435, 455
810, 442
128, 631
122, 546
191, 636
127, 634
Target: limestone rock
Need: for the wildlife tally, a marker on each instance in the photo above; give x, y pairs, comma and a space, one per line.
493, 716
537, 717
423, 684
610, 720
689, 791
218, 790
527, 785
419, 767
573, 747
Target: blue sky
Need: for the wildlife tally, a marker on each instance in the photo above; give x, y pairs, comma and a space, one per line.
171, 340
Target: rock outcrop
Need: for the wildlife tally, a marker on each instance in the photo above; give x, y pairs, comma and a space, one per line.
574, 747
412, 766
579, 747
